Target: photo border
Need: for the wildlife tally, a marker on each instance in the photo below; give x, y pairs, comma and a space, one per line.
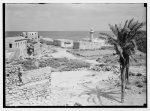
4, 97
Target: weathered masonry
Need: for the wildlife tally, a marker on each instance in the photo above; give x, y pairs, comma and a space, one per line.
86, 45
18, 45
89, 43
31, 36
65, 43
47, 41
13, 43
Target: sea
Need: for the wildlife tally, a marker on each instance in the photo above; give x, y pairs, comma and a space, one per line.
73, 35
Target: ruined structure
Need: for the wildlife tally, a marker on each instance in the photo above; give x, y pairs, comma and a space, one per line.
86, 45
13, 43
47, 41
18, 45
65, 43
37, 48
35, 89
31, 36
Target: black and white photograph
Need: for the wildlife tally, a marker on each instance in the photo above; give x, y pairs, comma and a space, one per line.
75, 55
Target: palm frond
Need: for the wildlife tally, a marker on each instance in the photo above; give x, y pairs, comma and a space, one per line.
125, 25
130, 47
117, 28
130, 22
105, 34
115, 42
120, 35
131, 37
110, 38
134, 43
139, 26
134, 25
131, 43
135, 28
113, 29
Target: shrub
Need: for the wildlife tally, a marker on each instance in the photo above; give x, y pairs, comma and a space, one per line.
74, 64
139, 74
49, 62
141, 41
29, 65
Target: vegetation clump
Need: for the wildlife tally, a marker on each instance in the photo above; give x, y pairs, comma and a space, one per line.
62, 64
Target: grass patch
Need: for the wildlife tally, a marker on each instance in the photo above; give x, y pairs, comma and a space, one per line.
64, 64
91, 53
61, 64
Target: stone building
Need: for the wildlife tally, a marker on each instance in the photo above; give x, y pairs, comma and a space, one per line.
89, 43
13, 43
18, 45
31, 36
86, 45
47, 41
65, 43
37, 48
101, 40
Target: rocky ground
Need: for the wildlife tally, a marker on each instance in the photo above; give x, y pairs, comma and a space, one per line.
98, 85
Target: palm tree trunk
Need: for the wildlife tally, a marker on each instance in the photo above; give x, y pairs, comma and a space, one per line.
127, 70
122, 83
123, 72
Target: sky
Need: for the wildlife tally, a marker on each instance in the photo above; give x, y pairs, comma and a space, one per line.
70, 17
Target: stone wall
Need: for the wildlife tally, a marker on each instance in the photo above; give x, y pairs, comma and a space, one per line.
48, 42
86, 45
29, 95
35, 88
15, 44
36, 75
65, 43
57, 42
11, 75
33, 36
37, 48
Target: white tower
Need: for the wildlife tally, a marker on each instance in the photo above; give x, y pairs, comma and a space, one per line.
24, 34
91, 35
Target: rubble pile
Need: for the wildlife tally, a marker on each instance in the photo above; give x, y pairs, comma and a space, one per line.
108, 58
64, 64
49, 62
36, 86
31, 95
72, 65
11, 74
37, 75
103, 67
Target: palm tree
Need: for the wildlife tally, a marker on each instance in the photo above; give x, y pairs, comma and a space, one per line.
123, 40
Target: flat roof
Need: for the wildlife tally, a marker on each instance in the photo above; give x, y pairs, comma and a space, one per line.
32, 32
15, 39
86, 38
64, 39
48, 39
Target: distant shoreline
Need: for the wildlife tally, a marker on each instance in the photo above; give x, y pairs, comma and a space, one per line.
74, 35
